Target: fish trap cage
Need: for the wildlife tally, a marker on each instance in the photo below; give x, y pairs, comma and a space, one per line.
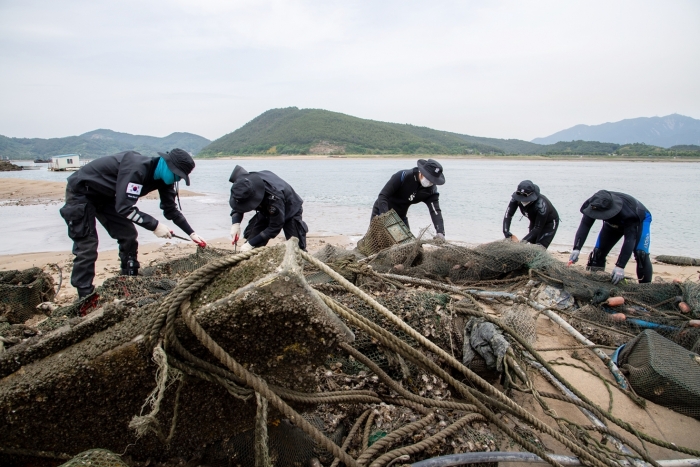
22, 291
663, 372
384, 231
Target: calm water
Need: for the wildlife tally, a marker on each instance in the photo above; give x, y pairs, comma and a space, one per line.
338, 196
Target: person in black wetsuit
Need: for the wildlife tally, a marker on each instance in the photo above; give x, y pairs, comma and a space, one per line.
544, 219
277, 207
622, 216
413, 186
107, 189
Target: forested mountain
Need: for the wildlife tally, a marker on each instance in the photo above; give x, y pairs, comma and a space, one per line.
671, 130
313, 131
309, 131
98, 143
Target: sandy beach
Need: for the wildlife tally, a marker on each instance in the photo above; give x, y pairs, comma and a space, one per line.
17, 192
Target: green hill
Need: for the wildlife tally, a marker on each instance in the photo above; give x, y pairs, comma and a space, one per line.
311, 131
314, 131
98, 143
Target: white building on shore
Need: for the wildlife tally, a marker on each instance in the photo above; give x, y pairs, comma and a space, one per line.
65, 162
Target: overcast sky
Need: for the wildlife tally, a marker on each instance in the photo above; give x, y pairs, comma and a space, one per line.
510, 69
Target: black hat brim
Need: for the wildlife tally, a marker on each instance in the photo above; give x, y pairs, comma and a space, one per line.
531, 197
252, 202
604, 214
173, 168
431, 176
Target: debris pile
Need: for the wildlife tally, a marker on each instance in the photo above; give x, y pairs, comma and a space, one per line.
276, 357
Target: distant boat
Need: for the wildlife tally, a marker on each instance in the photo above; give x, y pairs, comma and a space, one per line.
42, 161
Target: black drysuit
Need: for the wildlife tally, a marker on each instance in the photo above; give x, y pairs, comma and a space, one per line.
107, 189
632, 223
544, 220
404, 189
280, 209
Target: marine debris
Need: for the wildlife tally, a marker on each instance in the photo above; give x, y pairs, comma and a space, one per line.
277, 357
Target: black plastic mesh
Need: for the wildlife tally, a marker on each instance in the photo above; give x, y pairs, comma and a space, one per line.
663, 372
288, 446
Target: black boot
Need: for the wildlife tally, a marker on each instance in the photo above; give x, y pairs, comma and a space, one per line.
595, 262
130, 267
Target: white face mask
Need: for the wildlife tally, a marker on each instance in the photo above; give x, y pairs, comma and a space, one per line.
525, 203
425, 182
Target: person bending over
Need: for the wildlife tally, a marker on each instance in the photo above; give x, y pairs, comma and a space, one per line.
622, 216
277, 207
107, 189
544, 219
413, 186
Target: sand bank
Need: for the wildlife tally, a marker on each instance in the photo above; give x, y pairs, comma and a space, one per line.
19, 192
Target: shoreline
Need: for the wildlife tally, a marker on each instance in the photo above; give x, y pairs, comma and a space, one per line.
518, 157
23, 192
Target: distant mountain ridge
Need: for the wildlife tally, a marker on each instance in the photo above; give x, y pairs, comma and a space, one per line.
98, 143
668, 131
315, 131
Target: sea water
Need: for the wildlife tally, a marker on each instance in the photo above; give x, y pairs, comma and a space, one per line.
338, 196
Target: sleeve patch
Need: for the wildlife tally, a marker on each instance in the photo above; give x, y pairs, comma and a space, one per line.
134, 189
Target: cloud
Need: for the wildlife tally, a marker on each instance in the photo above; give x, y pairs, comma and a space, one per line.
501, 69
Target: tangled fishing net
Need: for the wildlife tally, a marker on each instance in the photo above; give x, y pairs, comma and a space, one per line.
276, 357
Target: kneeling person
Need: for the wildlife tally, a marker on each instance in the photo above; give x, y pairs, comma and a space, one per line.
107, 189
622, 216
277, 207
544, 219
413, 186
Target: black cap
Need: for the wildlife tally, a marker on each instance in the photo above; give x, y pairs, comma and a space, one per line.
602, 205
247, 190
179, 162
432, 170
527, 191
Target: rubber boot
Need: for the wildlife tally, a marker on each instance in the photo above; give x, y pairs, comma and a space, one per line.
595, 262
131, 267
644, 268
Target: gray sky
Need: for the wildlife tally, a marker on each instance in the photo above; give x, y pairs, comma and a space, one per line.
510, 69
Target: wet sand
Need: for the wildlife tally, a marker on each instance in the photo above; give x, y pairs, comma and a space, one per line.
18, 192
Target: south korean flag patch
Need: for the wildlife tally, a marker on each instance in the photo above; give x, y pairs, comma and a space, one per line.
134, 189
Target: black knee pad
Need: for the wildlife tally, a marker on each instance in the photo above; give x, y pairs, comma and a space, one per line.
596, 261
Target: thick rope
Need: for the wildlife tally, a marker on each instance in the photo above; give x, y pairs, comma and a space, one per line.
394, 436
143, 424
386, 379
426, 443
260, 386
397, 345
180, 301
351, 434
262, 450
621, 423
368, 429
